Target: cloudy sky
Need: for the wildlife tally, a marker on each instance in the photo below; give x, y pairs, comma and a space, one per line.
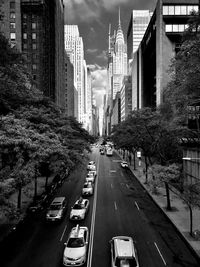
93, 18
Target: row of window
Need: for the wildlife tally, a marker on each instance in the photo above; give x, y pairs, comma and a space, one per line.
179, 10
34, 35
175, 27
34, 46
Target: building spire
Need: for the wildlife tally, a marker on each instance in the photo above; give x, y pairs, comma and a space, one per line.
119, 19
109, 30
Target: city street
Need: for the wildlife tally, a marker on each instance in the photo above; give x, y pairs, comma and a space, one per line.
120, 206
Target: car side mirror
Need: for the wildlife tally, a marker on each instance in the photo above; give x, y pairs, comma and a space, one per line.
65, 244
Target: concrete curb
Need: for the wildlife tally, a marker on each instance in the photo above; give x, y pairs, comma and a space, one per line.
193, 251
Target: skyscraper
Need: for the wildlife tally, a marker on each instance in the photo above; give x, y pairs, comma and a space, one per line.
137, 27
74, 49
119, 61
36, 28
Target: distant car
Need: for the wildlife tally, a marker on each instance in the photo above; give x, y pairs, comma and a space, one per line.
90, 178
109, 152
93, 172
57, 209
123, 252
88, 189
102, 152
79, 209
91, 166
75, 251
124, 164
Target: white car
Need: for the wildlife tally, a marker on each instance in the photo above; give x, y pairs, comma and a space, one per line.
93, 172
124, 164
123, 252
79, 209
87, 189
90, 178
91, 166
75, 252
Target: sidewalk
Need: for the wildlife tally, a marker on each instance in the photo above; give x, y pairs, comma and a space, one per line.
179, 215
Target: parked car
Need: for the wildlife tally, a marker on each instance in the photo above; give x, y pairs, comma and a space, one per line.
79, 209
75, 251
56, 209
123, 252
93, 172
124, 164
88, 189
90, 178
91, 166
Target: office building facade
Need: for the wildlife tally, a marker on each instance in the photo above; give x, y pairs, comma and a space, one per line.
75, 51
36, 28
158, 47
71, 94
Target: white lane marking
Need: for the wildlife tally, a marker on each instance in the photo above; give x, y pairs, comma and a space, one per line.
127, 186
90, 249
160, 254
115, 205
116, 160
136, 204
112, 170
63, 232
111, 185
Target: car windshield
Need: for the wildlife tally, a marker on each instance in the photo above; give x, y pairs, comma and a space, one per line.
77, 207
87, 186
75, 243
126, 262
55, 207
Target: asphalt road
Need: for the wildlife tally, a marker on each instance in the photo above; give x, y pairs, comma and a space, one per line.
120, 206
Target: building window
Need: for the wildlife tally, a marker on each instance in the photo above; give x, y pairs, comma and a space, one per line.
24, 46
183, 10
168, 28
12, 5
34, 46
34, 66
12, 25
177, 10
175, 28
12, 36
34, 77
24, 35
12, 15
191, 9
171, 10
24, 16
33, 36
33, 25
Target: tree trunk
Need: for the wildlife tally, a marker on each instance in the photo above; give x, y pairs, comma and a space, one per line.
134, 164
146, 170
19, 198
35, 189
46, 183
191, 220
168, 196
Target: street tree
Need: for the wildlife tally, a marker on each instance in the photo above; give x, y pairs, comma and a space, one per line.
166, 175
191, 197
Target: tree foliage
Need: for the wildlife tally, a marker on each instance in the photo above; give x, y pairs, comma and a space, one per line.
33, 131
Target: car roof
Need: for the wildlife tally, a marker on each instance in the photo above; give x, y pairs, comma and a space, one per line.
78, 231
124, 246
57, 200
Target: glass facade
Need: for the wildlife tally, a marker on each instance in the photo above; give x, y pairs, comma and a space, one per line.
141, 20
179, 10
175, 27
